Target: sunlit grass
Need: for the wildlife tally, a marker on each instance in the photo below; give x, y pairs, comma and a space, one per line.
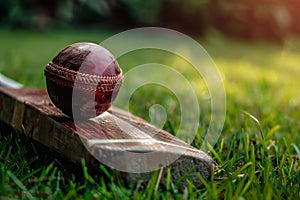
261, 79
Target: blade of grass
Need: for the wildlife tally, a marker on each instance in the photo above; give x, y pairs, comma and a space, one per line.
158, 180
210, 189
213, 151
238, 171
20, 185
257, 122
168, 179
87, 176
106, 172
296, 149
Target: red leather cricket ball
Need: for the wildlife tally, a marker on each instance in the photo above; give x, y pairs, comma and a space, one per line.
83, 80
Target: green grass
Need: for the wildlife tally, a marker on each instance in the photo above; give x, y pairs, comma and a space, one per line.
257, 156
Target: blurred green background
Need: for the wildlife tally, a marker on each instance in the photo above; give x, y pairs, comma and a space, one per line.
268, 19
255, 45
33, 31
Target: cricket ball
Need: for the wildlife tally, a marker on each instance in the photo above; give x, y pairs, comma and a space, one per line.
83, 80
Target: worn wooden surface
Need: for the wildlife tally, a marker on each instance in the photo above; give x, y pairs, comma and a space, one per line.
116, 133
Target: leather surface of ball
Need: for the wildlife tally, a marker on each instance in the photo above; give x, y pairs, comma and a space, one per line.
83, 80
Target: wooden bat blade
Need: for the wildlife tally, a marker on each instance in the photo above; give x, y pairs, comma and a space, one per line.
115, 138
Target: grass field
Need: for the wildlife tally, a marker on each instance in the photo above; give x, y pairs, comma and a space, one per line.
256, 157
